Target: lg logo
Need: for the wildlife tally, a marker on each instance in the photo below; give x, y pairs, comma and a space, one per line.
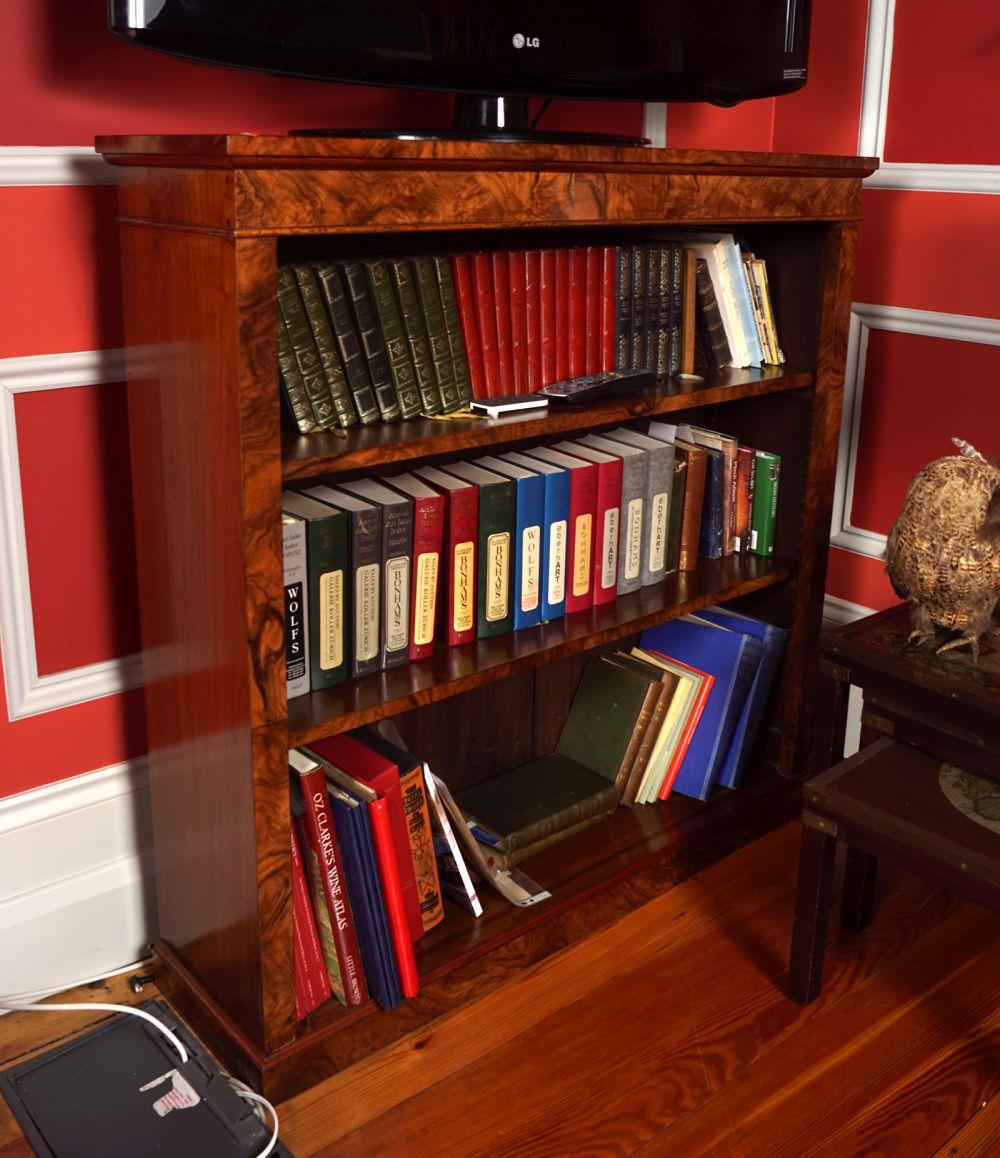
521, 41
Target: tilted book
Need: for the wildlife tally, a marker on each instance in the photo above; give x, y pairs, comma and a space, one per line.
326, 411
293, 541
327, 344
453, 328
527, 563
293, 384
353, 366
312, 986
461, 530
555, 531
429, 296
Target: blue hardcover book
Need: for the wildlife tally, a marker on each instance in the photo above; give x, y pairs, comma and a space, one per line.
529, 508
733, 659
555, 530
350, 818
747, 726
710, 535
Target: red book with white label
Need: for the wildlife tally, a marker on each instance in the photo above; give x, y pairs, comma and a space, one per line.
381, 775
609, 299
577, 321
501, 306
607, 513
461, 527
582, 506
562, 314
461, 275
594, 291
318, 823
517, 275
547, 323
312, 987
426, 572
533, 317
482, 288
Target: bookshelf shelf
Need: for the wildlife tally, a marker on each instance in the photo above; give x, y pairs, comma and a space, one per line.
452, 671
307, 456
214, 217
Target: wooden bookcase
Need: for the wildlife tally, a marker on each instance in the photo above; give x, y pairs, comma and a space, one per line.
205, 222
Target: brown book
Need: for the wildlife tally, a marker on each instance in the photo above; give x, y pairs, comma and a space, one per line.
497, 858
689, 308
745, 461
647, 712
666, 682
694, 495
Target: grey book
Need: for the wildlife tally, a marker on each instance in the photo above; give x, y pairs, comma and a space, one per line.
660, 481
293, 544
397, 555
634, 521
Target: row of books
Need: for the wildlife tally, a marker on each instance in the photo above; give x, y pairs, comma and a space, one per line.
382, 339
378, 572
679, 713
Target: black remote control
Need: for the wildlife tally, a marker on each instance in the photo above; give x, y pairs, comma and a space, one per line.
591, 386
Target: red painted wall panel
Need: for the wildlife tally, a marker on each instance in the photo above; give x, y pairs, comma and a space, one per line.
859, 579
75, 483
747, 126
945, 84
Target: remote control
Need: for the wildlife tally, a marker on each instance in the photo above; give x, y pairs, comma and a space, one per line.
591, 386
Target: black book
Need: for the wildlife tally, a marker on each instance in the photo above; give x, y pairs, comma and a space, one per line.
675, 293
348, 343
623, 310
370, 335
640, 304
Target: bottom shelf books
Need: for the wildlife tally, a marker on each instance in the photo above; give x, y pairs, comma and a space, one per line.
377, 838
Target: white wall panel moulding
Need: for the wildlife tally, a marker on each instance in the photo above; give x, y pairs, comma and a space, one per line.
54, 165
28, 692
897, 319
654, 124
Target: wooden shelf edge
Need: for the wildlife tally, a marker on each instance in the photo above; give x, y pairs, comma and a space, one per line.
307, 456
452, 671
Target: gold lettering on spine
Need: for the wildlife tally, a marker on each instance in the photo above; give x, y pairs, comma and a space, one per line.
462, 600
531, 565
366, 611
581, 555
497, 576
331, 620
427, 580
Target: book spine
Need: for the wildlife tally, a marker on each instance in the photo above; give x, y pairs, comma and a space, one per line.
765, 289
600, 804
508, 860
418, 830
608, 304
675, 319
462, 277
463, 534
293, 384
562, 313
527, 569
661, 477
745, 458
337, 340
397, 552
428, 530
686, 736
657, 328
715, 344
555, 545
517, 280
688, 310
675, 515
453, 873
494, 605
312, 984
607, 517
577, 320
640, 304
593, 295
296, 608
366, 594
758, 309
547, 303
623, 310
370, 337
694, 500
729, 450
533, 317
300, 338
453, 329
429, 297
710, 536
416, 336
649, 730
328, 610
582, 506
764, 516
634, 478
392, 892
324, 930
725, 292
323, 841
482, 281
396, 347
501, 306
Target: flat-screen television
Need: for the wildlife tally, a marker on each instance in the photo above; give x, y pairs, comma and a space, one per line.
723, 51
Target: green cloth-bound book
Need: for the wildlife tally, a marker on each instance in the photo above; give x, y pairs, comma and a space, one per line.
396, 347
416, 335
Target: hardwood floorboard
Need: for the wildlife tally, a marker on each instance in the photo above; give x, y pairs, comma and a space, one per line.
979, 1137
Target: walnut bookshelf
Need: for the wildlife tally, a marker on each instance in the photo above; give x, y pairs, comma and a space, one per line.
205, 223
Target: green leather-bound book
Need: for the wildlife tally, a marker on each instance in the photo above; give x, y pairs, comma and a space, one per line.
355, 368
453, 327
326, 347
429, 296
303, 345
291, 380
397, 349
416, 335
370, 335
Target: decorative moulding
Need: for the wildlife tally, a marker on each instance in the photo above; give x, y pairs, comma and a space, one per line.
54, 165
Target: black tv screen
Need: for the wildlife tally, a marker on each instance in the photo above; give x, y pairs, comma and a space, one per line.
645, 50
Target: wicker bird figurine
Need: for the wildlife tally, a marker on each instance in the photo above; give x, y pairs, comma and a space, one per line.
943, 551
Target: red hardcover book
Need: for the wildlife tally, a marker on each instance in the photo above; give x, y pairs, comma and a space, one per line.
577, 312
382, 776
482, 288
593, 293
607, 513
547, 302
582, 505
562, 314
533, 317
609, 299
516, 275
690, 725
461, 273
322, 838
312, 987
396, 909
426, 573
461, 526
501, 306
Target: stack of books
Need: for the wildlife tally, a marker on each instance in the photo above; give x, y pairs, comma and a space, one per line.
389, 338
379, 572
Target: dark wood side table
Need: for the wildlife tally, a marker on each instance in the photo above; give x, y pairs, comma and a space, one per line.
887, 801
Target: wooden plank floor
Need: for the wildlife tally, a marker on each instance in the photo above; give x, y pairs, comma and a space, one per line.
669, 1033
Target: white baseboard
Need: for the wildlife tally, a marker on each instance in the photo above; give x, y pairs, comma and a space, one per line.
76, 879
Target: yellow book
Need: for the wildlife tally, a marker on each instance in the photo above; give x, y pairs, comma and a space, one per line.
670, 731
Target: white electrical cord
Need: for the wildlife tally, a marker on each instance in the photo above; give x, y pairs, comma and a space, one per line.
36, 994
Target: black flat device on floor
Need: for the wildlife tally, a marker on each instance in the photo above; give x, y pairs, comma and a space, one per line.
98, 1096
589, 387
